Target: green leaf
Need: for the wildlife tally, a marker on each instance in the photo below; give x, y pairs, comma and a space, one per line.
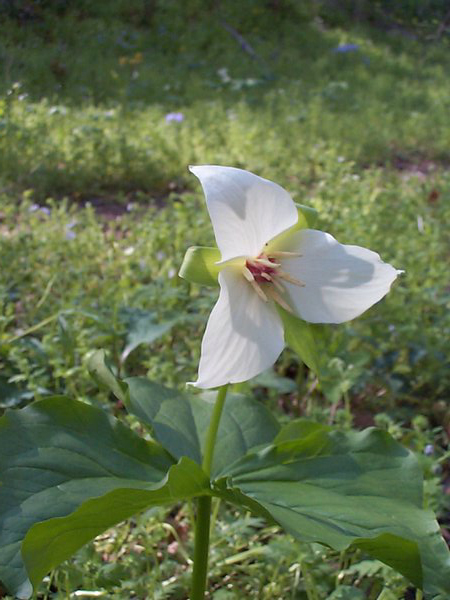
103, 376
144, 330
358, 489
68, 472
199, 265
270, 379
298, 335
47, 544
387, 594
11, 395
347, 592
180, 422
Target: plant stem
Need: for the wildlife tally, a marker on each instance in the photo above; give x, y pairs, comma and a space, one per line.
201, 548
208, 454
202, 527
215, 512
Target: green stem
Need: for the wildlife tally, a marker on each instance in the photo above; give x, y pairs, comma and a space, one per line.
215, 512
213, 428
200, 570
202, 527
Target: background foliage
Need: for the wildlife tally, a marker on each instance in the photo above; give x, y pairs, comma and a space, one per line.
103, 106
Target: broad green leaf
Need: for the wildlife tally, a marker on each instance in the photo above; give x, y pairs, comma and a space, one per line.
199, 265
358, 489
299, 429
67, 472
144, 330
47, 544
180, 422
168, 414
298, 335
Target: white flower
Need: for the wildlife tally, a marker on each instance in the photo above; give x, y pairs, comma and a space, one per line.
307, 272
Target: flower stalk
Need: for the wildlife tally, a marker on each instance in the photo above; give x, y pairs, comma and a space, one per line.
202, 526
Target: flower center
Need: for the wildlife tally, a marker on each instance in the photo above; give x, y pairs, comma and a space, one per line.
264, 275
261, 271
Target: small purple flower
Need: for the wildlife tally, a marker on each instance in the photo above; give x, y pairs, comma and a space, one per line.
428, 450
70, 234
344, 48
174, 116
42, 209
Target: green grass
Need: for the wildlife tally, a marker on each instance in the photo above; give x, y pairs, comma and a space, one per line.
361, 136
78, 121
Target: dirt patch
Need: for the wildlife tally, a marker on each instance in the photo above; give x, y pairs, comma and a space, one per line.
107, 208
418, 167
111, 209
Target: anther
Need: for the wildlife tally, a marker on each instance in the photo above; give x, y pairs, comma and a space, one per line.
247, 274
278, 285
259, 291
283, 254
289, 278
267, 263
279, 300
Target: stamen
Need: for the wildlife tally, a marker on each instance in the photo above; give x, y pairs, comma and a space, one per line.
263, 270
267, 263
277, 298
247, 274
273, 280
287, 277
278, 285
283, 254
259, 291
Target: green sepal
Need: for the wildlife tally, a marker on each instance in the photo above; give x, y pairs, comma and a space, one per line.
307, 217
299, 336
199, 265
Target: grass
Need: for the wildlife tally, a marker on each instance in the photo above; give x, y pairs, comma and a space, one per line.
362, 136
77, 126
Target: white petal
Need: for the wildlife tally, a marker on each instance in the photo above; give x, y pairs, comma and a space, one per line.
246, 210
243, 337
341, 282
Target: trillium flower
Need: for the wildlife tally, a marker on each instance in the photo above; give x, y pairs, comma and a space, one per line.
267, 262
